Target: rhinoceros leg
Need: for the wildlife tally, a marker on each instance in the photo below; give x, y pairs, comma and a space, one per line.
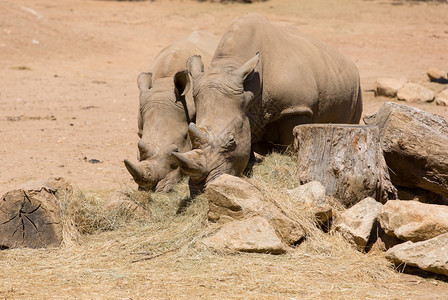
279, 135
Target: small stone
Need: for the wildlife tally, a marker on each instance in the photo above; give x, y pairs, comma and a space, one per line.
357, 223
253, 235
312, 195
430, 255
120, 201
413, 92
388, 87
436, 75
442, 98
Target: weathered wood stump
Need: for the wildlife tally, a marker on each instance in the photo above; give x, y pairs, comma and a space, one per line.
415, 145
30, 217
346, 159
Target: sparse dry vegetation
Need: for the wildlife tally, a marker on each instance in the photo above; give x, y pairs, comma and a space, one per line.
111, 255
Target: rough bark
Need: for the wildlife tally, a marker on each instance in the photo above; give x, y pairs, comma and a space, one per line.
30, 218
415, 145
346, 159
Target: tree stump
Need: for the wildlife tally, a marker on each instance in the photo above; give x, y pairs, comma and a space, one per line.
346, 159
415, 145
30, 218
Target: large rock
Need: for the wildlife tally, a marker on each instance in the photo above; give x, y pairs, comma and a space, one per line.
232, 198
413, 92
442, 98
254, 234
388, 87
30, 218
312, 195
415, 146
120, 202
358, 222
436, 75
413, 221
430, 255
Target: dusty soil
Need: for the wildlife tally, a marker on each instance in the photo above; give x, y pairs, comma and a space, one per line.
68, 70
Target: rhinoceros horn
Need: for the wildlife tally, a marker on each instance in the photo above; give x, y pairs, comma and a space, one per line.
197, 136
191, 162
144, 150
135, 171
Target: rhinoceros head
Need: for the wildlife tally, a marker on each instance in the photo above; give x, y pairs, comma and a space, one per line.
162, 123
221, 140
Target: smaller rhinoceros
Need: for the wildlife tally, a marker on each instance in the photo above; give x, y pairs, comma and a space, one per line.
166, 108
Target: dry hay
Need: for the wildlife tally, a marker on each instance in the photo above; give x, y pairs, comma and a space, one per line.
111, 255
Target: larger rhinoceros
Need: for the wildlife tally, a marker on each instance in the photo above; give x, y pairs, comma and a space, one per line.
166, 108
246, 102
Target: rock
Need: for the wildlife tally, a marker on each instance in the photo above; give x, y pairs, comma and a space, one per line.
62, 186
232, 198
120, 201
430, 255
30, 217
415, 145
254, 234
413, 92
436, 75
312, 195
358, 222
442, 98
413, 221
388, 87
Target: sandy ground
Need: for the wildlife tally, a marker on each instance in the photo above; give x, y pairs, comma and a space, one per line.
68, 69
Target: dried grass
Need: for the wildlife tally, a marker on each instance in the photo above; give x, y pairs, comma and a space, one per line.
113, 255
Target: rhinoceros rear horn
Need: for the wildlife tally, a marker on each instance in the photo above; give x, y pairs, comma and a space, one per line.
195, 66
191, 162
144, 150
134, 170
197, 136
144, 81
246, 69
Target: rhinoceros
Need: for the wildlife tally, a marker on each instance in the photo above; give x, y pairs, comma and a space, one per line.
261, 83
166, 108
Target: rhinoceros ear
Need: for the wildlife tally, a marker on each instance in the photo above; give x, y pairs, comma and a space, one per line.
182, 83
195, 66
191, 163
144, 81
244, 71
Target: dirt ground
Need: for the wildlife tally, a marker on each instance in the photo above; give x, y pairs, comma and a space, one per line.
68, 69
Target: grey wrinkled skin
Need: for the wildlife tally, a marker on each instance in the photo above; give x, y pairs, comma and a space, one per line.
261, 83
166, 107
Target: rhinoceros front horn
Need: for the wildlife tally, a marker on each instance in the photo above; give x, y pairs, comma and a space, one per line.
191, 162
197, 136
134, 170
